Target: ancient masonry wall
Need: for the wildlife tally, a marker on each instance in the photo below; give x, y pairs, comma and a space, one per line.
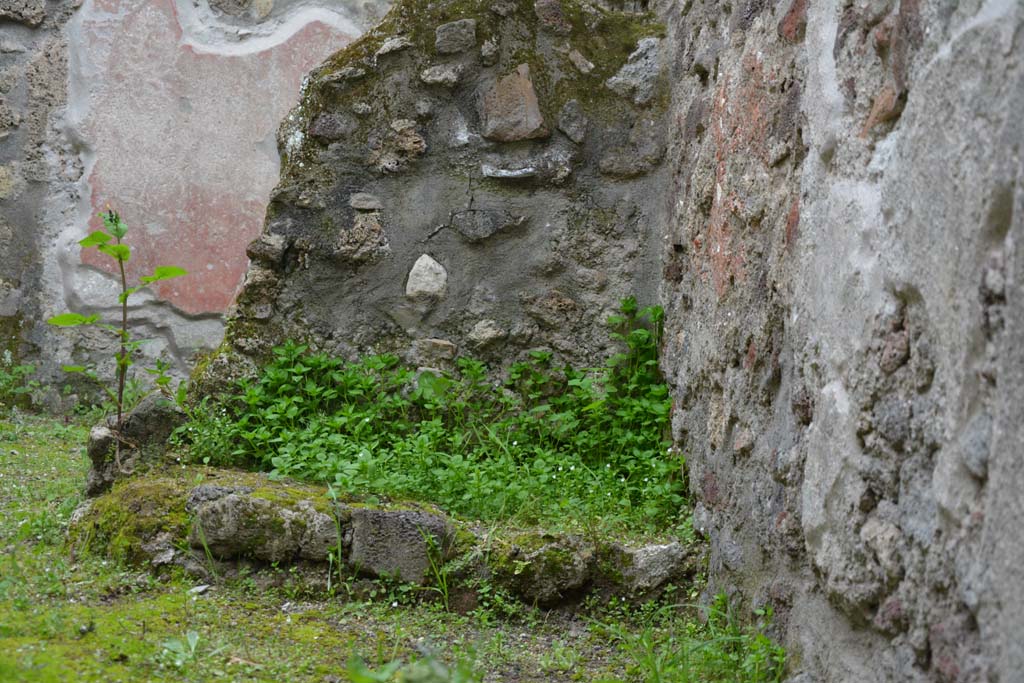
166, 110
829, 195
470, 178
842, 279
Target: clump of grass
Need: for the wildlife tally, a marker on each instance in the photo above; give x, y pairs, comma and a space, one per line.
674, 646
546, 443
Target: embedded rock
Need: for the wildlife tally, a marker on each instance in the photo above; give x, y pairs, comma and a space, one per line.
141, 520
510, 110
637, 79
240, 525
427, 279
401, 145
584, 65
455, 37
650, 567
103, 469
149, 424
143, 438
433, 352
392, 45
478, 224
573, 122
545, 570
489, 52
31, 12
552, 17
398, 543
364, 241
643, 151
447, 75
485, 333
364, 201
333, 126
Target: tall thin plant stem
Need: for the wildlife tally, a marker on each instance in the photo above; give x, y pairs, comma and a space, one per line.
122, 360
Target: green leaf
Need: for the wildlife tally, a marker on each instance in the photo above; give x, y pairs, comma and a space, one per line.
432, 386
164, 273
123, 296
119, 251
73, 368
112, 221
95, 239
359, 673
72, 319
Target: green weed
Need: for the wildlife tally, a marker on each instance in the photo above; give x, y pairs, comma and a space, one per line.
111, 243
674, 648
548, 442
16, 383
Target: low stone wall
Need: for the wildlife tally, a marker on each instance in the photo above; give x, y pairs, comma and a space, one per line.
160, 518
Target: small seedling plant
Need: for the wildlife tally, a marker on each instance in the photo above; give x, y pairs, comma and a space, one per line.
110, 242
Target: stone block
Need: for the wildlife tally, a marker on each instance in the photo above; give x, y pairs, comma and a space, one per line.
510, 110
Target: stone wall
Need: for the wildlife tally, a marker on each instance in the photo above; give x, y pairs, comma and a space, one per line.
166, 110
826, 196
842, 283
469, 178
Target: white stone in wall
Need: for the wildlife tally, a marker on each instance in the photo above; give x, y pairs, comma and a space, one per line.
427, 279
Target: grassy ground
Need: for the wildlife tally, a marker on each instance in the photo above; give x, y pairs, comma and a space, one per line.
90, 620
86, 618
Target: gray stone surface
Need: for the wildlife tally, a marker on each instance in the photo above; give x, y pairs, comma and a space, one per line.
143, 437
638, 78
556, 571
653, 566
398, 543
456, 36
839, 270
240, 525
479, 178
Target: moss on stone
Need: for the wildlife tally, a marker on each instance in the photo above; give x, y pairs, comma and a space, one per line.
290, 494
132, 514
611, 565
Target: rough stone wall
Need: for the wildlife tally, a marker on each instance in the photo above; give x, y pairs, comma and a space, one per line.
469, 178
842, 281
33, 67
167, 110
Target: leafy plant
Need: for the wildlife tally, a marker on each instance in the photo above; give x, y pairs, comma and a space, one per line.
110, 242
680, 649
180, 651
547, 442
439, 570
16, 381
